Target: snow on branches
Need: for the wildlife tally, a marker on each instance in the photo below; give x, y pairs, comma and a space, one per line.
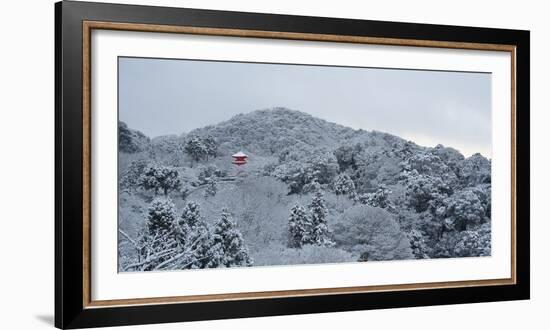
185, 242
309, 227
159, 178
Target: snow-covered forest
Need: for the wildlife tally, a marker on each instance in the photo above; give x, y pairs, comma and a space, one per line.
311, 192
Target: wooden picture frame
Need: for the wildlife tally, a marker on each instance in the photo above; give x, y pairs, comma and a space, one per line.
74, 306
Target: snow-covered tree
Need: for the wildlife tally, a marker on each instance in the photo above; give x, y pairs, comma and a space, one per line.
211, 146
465, 209
343, 185
160, 178
129, 178
299, 226
418, 244
372, 233
475, 170
190, 215
131, 141
167, 144
161, 216
153, 250
211, 188
208, 172
312, 187
189, 220
474, 243
157, 243
451, 157
379, 198
205, 253
292, 173
321, 167
225, 233
431, 164
346, 156
167, 150
199, 148
195, 148
196, 239
319, 234
422, 190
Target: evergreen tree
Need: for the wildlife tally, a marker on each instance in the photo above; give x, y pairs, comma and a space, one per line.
161, 216
188, 222
319, 233
154, 249
205, 252
191, 215
196, 239
156, 243
343, 185
226, 235
298, 227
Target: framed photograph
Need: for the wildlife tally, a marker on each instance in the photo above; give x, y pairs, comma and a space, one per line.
215, 164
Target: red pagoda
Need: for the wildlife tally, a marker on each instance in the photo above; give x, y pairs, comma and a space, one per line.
239, 158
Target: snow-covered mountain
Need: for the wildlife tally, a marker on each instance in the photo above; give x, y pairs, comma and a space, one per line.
380, 197
270, 131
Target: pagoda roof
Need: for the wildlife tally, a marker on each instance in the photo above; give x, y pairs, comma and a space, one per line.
240, 154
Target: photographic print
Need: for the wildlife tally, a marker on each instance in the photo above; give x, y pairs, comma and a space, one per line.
238, 164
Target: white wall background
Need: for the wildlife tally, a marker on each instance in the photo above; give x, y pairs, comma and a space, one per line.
27, 169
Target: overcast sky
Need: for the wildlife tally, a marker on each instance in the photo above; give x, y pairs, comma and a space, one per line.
160, 97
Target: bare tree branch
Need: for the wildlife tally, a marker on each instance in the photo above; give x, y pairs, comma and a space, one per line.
128, 238
149, 259
180, 255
